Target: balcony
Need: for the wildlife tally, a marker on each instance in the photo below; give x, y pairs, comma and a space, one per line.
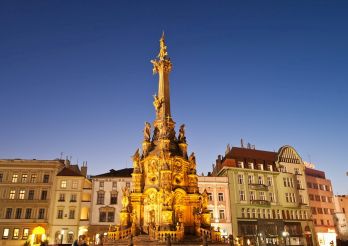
261, 202
258, 187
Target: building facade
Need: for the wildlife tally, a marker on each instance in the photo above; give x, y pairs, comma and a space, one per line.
269, 203
69, 210
341, 216
26, 191
218, 202
106, 202
322, 206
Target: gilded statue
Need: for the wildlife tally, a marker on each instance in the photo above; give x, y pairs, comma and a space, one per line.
147, 131
157, 103
136, 158
163, 49
125, 198
192, 158
181, 136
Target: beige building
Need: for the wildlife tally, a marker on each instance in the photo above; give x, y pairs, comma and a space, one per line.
26, 191
218, 202
69, 211
341, 216
106, 200
269, 203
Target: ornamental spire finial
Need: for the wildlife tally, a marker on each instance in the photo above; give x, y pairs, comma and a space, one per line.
162, 55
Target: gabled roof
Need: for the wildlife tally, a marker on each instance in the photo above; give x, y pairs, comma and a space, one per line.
125, 172
244, 153
70, 171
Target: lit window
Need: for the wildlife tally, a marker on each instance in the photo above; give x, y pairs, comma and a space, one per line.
221, 197
15, 233
14, 178
25, 233
21, 194
74, 184
24, 178
63, 184
12, 194
5, 233
33, 178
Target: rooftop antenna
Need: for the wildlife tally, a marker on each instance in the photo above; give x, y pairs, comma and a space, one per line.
241, 143
61, 155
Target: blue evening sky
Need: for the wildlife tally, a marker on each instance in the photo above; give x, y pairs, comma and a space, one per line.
76, 77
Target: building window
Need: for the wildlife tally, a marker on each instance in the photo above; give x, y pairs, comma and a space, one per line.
271, 197
250, 179
269, 213
269, 181
101, 184
102, 216
323, 198
253, 212
221, 214
21, 194
111, 216
33, 178
260, 166
284, 180
1, 176
211, 214
72, 214
320, 211
60, 214
12, 194
15, 233
329, 199
243, 215
113, 198
262, 195
75, 184
241, 195
221, 197
63, 184
44, 195
24, 178
114, 184
260, 180
128, 184
210, 196
240, 178
326, 211
317, 198
25, 233
18, 213
278, 214
61, 197
240, 164
14, 178
302, 199
5, 233
41, 213
311, 197
287, 197
252, 195
8, 213
258, 213
251, 165
248, 212
46, 178
100, 197
31, 195
270, 168
297, 170
73, 198
28, 213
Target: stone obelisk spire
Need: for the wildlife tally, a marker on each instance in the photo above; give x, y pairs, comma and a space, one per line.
164, 125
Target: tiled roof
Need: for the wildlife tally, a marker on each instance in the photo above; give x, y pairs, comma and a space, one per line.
70, 171
244, 153
125, 172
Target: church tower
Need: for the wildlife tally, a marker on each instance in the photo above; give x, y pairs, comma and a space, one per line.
165, 194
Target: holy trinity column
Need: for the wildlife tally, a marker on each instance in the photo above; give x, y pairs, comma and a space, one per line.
165, 192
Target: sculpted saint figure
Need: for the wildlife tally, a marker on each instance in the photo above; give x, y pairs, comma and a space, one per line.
192, 158
125, 198
157, 103
136, 158
181, 136
147, 131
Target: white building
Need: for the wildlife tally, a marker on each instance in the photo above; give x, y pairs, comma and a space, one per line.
70, 205
340, 218
106, 200
219, 202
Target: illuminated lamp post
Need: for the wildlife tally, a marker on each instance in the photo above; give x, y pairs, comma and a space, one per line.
61, 237
285, 235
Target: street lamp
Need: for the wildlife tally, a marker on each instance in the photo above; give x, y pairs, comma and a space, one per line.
285, 235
